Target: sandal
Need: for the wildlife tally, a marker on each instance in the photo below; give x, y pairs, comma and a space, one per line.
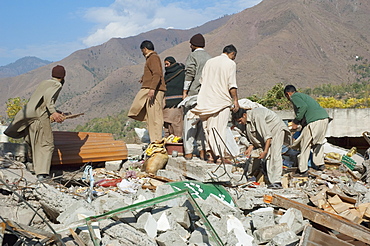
188, 157
275, 186
226, 161
202, 155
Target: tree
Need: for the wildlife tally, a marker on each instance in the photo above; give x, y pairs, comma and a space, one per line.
13, 105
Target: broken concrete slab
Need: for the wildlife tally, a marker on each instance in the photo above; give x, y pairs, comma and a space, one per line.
54, 198
199, 236
265, 234
235, 227
146, 223
287, 238
27, 216
200, 170
105, 204
218, 225
213, 205
113, 165
170, 175
163, 223
170, 238
244, 199
263, 217
167, 189
180, 215
144, 194
118, 233
70, 214
294, 219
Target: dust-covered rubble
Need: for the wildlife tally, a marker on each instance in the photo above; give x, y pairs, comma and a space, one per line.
122, 205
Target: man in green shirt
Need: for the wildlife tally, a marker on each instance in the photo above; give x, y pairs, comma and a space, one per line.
314, 119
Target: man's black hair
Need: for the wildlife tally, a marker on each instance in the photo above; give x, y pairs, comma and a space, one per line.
147, 44
237, 115
229, 49
289, 88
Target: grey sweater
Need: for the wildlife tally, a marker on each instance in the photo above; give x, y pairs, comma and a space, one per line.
194, 66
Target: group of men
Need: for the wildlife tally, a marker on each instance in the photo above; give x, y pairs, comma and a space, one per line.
192, 101
205, 87
198, 100
266, 133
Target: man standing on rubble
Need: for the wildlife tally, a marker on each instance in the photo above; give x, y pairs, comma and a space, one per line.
314, 119
148, 103
217, 95
33, 122
266, 133
193, 129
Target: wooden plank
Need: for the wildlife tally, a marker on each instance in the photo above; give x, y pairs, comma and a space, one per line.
2, 231
314, 237
324, 218
30, 232
76, 238
342, 197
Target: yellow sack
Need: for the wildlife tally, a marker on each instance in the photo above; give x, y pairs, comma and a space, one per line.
155, 162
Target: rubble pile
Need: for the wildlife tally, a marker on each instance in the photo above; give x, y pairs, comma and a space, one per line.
188, 202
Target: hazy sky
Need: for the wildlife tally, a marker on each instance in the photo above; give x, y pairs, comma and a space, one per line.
52, 29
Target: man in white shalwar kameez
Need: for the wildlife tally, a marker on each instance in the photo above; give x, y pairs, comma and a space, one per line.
217, 95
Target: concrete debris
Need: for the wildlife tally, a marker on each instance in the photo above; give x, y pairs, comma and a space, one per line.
294, 219
287, 238
265, 234
263, 217
224, 205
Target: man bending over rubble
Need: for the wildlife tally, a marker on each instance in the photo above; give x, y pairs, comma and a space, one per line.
33, 122
314, 119
267, 132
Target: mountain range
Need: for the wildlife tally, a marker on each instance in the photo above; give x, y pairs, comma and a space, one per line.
302, 42
22, 66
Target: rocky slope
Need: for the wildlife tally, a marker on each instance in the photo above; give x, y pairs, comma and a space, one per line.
302, 42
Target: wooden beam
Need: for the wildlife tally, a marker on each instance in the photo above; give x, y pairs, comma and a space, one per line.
2, 231
312, 236
324, 218
77, 238
30, 232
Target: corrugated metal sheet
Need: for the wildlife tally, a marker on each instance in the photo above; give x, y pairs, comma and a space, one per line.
81, 147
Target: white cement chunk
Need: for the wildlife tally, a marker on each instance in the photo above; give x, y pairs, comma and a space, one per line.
163, 223
263, 217
294, 219
147, 223
236, 226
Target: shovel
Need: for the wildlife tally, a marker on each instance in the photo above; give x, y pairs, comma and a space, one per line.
247, 162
